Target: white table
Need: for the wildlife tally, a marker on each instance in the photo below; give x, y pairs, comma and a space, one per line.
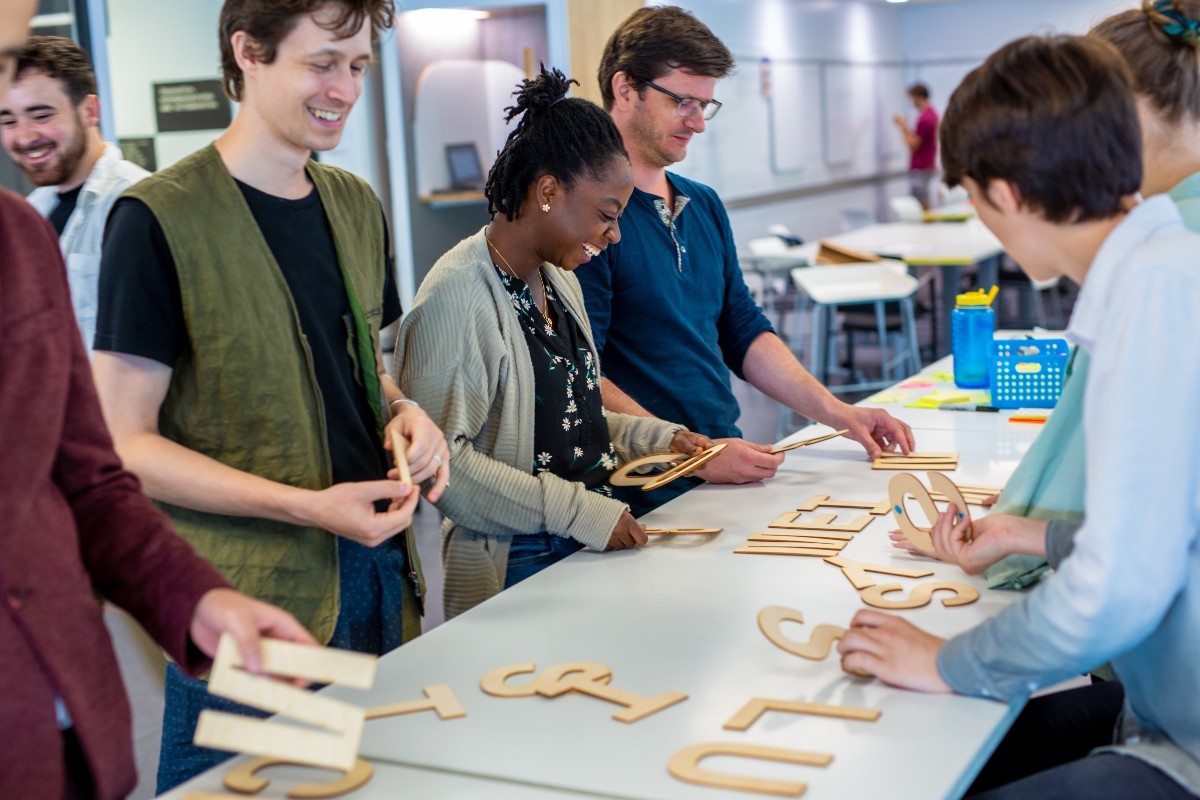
681, 615
948, 246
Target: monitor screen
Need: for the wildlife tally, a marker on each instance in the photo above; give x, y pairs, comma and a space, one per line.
465, 170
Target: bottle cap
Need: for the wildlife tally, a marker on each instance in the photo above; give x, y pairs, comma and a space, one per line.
977, 298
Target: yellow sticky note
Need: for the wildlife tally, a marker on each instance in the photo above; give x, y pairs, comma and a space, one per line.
889, 397
940, 396
945, 377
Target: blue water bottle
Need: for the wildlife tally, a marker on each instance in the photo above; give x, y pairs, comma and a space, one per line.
972, 324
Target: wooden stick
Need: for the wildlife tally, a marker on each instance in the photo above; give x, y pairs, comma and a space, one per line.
400, 453
807, 442
922, 465
912, 455
780, 551
681, 531
778, 533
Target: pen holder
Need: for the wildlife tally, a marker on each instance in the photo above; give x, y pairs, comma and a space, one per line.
1028, 373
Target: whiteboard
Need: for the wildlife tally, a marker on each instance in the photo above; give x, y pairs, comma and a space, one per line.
851, 116
795, 110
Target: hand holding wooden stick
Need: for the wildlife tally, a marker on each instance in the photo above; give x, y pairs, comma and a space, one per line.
399, 450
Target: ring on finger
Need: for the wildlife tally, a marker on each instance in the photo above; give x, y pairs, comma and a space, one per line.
437, 460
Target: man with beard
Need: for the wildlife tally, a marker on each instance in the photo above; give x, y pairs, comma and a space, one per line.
50, 128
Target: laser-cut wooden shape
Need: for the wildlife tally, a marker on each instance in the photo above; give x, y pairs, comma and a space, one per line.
400, 454
685, 765
915, 456
797, 541
622, 476
807, 442
682, 531
243, 779
803, 534
757, 706
588, 678
905, 485
334, 746
496, 683
439, 697
753, 550
922, 593
822, 522
815, 649
857, 571
824, 501
946, 466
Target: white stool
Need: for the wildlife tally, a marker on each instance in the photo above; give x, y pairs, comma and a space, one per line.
860, 284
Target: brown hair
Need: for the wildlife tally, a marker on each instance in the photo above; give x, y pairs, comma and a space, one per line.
1055, 117
656, 40
1165, 66
919, 90
61, 59
268, 22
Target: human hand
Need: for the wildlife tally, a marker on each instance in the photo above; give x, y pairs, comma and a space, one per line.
893, 650
900, 122
348, 510
976, 546
873, 428
741, 462
247, 620
427, 454
689, 443
627, 533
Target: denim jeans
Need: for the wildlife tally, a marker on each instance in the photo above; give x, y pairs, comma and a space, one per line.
531, 553
1045, 754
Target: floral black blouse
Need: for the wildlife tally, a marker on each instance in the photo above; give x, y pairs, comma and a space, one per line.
570, 434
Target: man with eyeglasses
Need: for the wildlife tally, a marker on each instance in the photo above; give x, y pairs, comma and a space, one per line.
669, 308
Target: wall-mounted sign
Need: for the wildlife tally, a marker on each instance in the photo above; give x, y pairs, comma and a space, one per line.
140, 152
191, 106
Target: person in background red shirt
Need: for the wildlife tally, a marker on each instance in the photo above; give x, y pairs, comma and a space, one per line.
922, 143
76, 525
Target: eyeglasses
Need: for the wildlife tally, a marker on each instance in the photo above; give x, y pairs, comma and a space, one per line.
688, 106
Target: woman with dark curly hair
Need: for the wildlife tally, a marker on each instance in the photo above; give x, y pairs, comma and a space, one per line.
498, 350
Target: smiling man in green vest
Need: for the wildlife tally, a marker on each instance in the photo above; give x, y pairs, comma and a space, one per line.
242, 292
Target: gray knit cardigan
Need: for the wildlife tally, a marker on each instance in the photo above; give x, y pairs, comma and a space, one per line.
462, 355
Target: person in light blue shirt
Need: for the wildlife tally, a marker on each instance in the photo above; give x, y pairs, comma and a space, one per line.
1040, 136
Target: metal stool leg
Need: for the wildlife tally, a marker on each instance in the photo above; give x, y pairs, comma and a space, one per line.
881, 330
910, 324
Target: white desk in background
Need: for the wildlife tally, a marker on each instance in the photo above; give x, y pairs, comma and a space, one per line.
950, 247
681, 615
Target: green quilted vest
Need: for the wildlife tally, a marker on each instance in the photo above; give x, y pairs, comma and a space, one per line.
245, 393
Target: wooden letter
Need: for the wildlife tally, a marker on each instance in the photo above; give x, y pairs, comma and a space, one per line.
439, 697
747, 549
823, 501
588, 678
622, 476
682, 531
816, 648
857, 571
906, 484
685, 765
758, 706
243, 778
922, 593
823, 522
335, 747
495, 682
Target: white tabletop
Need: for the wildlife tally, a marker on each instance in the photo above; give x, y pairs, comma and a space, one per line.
919, 243
680, 615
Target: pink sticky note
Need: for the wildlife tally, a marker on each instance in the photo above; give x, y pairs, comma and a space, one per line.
916, 385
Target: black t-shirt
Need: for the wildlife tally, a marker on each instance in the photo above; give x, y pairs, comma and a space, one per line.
141, 309
65, 208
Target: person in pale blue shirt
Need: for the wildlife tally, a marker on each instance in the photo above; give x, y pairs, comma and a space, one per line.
50, 128
1040, 136
1161, 52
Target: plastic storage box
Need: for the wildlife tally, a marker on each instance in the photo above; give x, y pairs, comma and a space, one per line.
1028, 373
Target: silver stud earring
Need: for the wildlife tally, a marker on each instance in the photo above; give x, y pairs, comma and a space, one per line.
546, 207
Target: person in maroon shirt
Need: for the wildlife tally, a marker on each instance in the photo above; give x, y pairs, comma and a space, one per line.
922, 143
76, 525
